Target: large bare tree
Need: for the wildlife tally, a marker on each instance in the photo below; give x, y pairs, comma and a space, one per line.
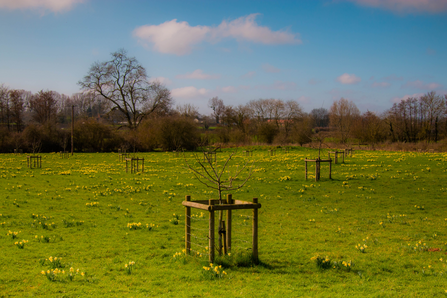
124, 82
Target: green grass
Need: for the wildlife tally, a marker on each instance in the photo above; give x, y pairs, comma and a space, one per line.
92, 216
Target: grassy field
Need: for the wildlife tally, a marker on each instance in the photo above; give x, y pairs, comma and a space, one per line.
377, 229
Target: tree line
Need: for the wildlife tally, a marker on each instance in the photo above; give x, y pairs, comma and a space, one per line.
120, 108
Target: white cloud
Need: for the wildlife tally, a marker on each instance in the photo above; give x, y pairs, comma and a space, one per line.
189, 92
406, 6
198, 75
162, 80
348, 79
405, 97
421, 85
246, 29
180, 38
270, 68
171, 37
40, 5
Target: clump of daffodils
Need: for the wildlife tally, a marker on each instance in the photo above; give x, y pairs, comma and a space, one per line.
175, 218
129, 267
213, 271
55, 262
57, 274
21, 244
13, 234
361, 248
322, 262
134, 226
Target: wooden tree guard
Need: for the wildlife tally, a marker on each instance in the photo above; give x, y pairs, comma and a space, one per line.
286, 149
348, 151
176, 153
336, 153
210, 155
213, 205
248, 153
123, 156
318, 161
34, 161
18, 151
271, 152
64, 154
134, 165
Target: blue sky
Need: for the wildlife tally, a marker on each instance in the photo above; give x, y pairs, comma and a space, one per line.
373, 52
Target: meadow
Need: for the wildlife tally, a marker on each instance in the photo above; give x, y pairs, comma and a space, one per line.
377, 229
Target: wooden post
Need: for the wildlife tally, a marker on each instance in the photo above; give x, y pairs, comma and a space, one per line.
343, 156
317, 169
336, 157
211, 233
188, 228
142, 166
330, 168
255, 232
228, 235
305, 168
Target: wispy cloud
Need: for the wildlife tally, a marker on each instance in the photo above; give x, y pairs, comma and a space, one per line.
41, 6
405, 97
278, 85
314, 81
405, 6
304, 99
421, 85
337, 93
270, 68
380, 84
229, 89
180, 38
348, 79
198, 74
392, 78
431, 52
249, 75
189, 92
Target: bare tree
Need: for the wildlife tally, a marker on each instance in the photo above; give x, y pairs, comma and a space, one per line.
123, 82
187, 110
43, 106
342, 116
5, 112
17, 108
292, 113
320, 117
218, 108
217, 176
432, 109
